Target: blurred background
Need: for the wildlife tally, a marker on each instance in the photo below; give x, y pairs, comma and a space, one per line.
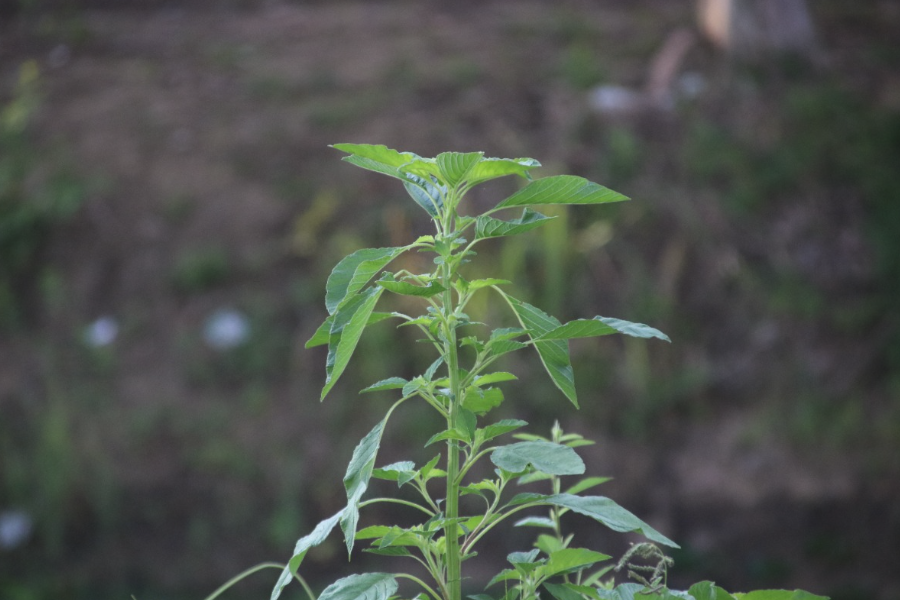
170, 209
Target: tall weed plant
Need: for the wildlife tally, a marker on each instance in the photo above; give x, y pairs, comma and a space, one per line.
463, 386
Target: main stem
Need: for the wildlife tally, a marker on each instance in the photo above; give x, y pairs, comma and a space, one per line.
451, 537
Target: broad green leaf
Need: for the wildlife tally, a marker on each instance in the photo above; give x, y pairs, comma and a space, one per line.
432, 368
425, 168
554, 353
522, 558
481, 401
409, 289
489, 227
372, 532
562, 189
602, 326
497, 377
779, 595
707, 590
391, 383
368, 586
401, 472
610, 514
339, 355
567, 559
586, 484
455, 166
501, 427
548, 544
389, 551
492, 168
356, 480
308, 541
354, 271
535, 522
546, 457
525, 498
562, 592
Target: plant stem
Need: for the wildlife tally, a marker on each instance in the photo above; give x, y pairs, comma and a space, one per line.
451, 356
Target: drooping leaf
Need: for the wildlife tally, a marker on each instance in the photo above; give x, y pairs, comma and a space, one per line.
447, 434
316, 537
426, 194
568, 559
598, 326
391, 383
349, 338
354, 271
554, 353
546, 457
408, 289
368, 586
356, 480
609, 513
455, 166
501, 427
562, 189
489, 227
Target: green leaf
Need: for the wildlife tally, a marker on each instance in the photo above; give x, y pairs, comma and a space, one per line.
481, 401
477, 284
501, 427
378, 158
340, 353
568, 559
401, 472
425, 168
518, 559
779, 595
391, 383
554, 353
448, 434
609, 513
356, 480
562, 189
497, 377
489, 227
562, 592
308, 541
454, 166
322, 334
504, 575
586, 484
368, 586
372, 532
707, 590
492, 168
354, 271
546, 457
425, 471
408, 289
602, 326
425, 194
467, 423
535, 522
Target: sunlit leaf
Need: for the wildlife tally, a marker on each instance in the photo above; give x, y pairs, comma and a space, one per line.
598, 326
609, 513
562, 189
489, 227
368, 586
349, 338
354, 271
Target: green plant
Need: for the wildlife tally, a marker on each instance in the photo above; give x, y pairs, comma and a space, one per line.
463, 396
